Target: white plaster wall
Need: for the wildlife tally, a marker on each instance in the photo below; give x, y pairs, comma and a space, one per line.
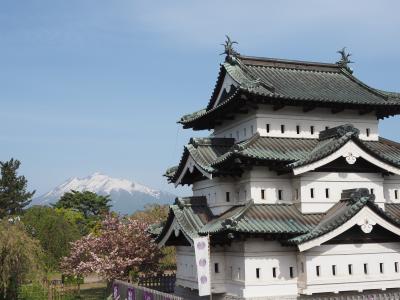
292, 117
267, 255
391, 184
186, 271
336, 183
245, 188
357, 255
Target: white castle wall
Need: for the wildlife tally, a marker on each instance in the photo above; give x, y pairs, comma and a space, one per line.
238, 264
356, 255
242, 127
259, 181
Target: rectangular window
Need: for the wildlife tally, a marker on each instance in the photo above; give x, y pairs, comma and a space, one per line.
263, 194
297, 194
350, 268
367, 131
280, 194
318, 270
312, 129
381, 267
258, 272
244, 131
334, 270
312, 193
237, 134
326, 127
372, 191
245, 195
396, 194
238, 274
326, 193
267, 127
231, 271
298, 129
216, 268
282, 128
365, 268
291, 273
252, 129
396, 267
228, 197
274, 272
302, 267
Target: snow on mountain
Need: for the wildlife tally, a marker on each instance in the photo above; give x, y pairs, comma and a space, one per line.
127, 196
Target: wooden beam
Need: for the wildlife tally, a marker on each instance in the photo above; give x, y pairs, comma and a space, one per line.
365, 111
242, 111
278, 106
337, 110
228, 117
308, 108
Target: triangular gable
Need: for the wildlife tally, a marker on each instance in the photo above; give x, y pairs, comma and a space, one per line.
351, 151
359, 210
189, 167
186, 217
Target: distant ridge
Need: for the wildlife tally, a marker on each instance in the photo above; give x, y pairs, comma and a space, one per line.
126, 196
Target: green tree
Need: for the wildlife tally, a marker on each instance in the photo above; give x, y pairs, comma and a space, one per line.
20, 258
54, 231
13, 189
88, 203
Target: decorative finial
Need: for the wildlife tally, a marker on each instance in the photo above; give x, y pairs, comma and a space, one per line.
345, 59
229, 51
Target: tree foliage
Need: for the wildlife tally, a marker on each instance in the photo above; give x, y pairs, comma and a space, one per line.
20, 257
88, 203
13, 189
120, 247
156, 215
152, 213
54, 231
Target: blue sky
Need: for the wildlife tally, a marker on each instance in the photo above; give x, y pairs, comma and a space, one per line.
96, 85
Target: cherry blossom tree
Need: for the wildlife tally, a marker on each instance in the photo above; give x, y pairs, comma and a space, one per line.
119, 248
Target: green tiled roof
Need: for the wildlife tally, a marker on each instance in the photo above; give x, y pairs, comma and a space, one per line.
279, 220
292, 83
263, 218
219, 155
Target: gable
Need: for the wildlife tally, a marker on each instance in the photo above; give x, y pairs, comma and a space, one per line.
351, 152
355, 235
366, 219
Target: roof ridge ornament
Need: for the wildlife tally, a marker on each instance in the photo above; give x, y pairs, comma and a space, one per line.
229, 51
345, 59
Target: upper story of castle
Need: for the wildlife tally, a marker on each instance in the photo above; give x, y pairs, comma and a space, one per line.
287, 98
289, 118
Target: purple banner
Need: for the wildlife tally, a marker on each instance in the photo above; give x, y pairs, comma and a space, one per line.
131, 294
116, 292
148, 296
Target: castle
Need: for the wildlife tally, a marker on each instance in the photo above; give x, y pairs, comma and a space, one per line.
295, 188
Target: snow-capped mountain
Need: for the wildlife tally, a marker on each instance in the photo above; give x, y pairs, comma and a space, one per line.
126, 196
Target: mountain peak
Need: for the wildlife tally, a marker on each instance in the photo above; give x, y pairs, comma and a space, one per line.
102, 184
